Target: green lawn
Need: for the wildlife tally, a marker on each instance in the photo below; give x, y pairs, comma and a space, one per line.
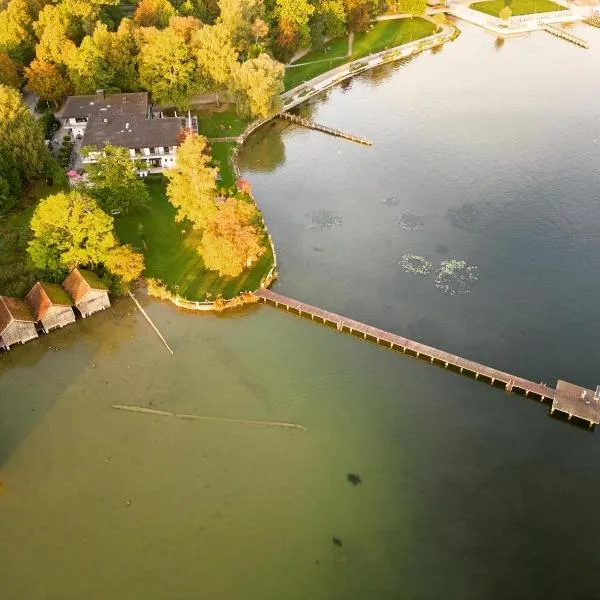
220, 123
221, 152
518, 7
16, 274
170, 251
383, 35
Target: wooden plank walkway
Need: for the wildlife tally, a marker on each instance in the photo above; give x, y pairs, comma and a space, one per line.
511, 383
565, 35
593, 20
329, 130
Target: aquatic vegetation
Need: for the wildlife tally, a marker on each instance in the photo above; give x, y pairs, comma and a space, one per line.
337, 542
455, 277
469, 216
324, 219
354, 478
410, 222
418, 265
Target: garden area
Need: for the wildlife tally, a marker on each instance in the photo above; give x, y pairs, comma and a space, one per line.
517, 7
170, 251
383, 35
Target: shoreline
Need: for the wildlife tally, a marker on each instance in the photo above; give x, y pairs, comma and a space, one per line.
317, 85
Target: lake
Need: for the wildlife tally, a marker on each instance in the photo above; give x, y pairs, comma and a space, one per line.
484, 152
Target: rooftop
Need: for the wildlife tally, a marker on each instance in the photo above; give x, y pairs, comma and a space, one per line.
80, 281
100, 103
13, 309
132, 131
44, 295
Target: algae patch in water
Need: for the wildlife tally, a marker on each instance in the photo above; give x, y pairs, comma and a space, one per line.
418, 265
455, 277
324, 219
410, 222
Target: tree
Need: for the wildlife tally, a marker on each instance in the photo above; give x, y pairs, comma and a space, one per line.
9, 72
69, 230
506, 13
237, 17
205, 10
47, 81
125, 263
293, 28
259, 29
166, 67
192, 186
16, 31
215, 56
331, 17
88, 68
153, 13
21, 137
113, 180
259, 83
358, 14
185, 27
412, 7
231, 242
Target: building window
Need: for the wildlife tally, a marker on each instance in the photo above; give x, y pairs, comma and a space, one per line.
80, 120
166, 149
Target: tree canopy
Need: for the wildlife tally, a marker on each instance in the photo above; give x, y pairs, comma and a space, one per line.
71, 230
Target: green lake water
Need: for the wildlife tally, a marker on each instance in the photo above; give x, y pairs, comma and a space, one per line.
483, 152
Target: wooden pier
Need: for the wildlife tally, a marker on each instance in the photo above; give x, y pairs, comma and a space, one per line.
572, 400
593, 20
565, 35
329, 130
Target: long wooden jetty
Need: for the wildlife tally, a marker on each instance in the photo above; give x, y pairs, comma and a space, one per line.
567, 398
593, 20
329, 130
565, 35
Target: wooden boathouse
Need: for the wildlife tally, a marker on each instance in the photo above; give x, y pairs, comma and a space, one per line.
87, 291
51, 306
569, 399
17, 322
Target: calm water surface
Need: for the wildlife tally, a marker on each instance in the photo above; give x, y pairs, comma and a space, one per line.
485, 153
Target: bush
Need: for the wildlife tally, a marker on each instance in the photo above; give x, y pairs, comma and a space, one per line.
49, 124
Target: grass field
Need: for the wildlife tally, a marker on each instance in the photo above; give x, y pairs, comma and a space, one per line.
221, 152
221, 123
170, 251
518, 7
383, 35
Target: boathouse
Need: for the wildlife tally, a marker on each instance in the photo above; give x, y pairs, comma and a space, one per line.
88, 293
17, 323
51, 305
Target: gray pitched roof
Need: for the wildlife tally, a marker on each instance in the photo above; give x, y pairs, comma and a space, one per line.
111, 104
131, 131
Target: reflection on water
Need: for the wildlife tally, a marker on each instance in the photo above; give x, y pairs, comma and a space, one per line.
466, 492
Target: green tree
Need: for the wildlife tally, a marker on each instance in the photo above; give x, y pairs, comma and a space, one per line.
331, 17
192, 186
47, 81
166, 67
113, 180
69, 230
259, 83
231, 242
21, 137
